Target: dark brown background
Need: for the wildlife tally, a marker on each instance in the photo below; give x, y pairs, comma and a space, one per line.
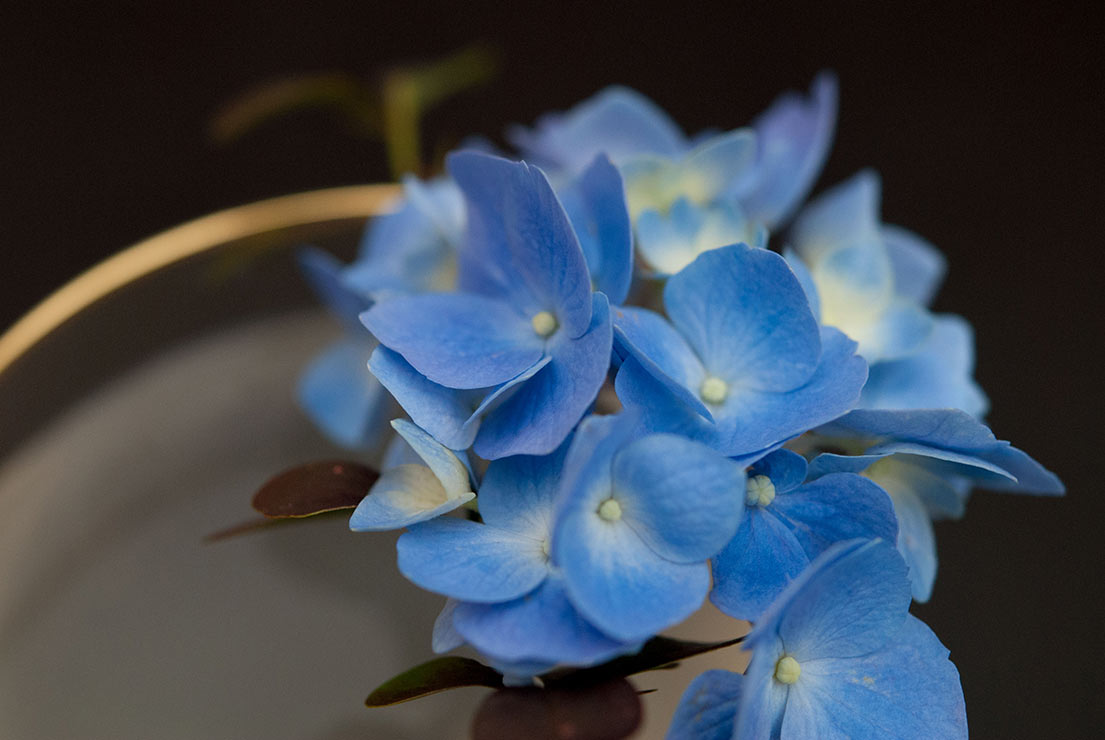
986, 128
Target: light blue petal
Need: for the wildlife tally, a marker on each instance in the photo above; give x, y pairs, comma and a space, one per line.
744, 313
457, 340
663, 353
444, 463
717, 164
446, 413
708, 708
786, 470
916, 540
909, 689
342, 397
440, 201
403, 496
919, 267
324, 274
517, 493
471, 562
519, 234
617, 121
938, 375
947, 428
681, 498
543, 411
805, 279
845, 215
445, 636
596, 205
902, 330
619, 583
850, 601
835, 508
756, 565
543, 626
794, 136
1031, 476
763, 699
670, 241
402, 252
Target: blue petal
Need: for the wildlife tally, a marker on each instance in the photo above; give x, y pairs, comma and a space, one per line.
916, 540
617, 121
717, 164
683, 499
805, 279
444, 463
457, 340
902, 330
520, 237
763, 699
786, 470
471, 562
850, 601
708, 708
750, 421
543, 411
837, 507
596, 205
403, 496
402, 252
794, 136
663, 353
517, 492
845, 215
919, 267
445, 636
753, 421
756, 565
908, 690
618, 582
542, 626
947, 428
324, 274
938, 375
671, 241
342, 397
745, 314
446, 413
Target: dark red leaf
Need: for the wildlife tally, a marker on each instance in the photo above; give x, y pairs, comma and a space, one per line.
314, 488
604, 711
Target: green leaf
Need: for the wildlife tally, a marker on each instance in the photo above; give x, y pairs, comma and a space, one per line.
657, 654
437, 675
605, 711
314, 488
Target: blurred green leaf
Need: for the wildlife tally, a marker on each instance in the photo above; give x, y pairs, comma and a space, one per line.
437, 675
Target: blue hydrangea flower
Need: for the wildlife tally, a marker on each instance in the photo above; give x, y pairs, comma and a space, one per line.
527, 299
787, 524
836, 656
636, 523
743, 365
409, 493
508, 598
927, 461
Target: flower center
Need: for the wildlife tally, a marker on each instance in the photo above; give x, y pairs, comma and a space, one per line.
714, 390
610, 510
544, 323
787, 670
759, 491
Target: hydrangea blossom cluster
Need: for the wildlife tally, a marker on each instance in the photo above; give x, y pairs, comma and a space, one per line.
638, 373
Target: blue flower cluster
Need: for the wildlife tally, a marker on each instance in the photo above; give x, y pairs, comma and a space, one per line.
643, 375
